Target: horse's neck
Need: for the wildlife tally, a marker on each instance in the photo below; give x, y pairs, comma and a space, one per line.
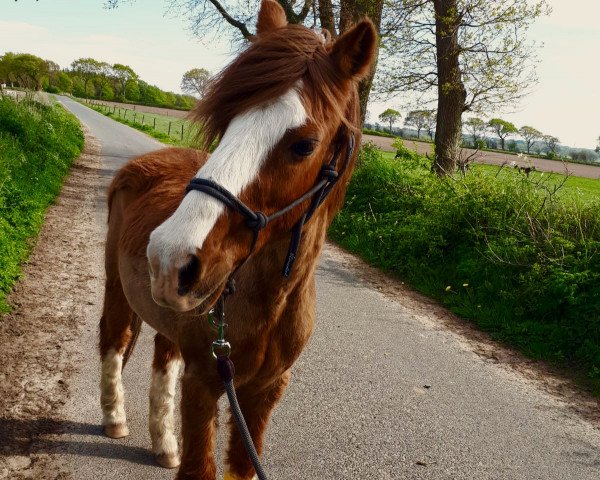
263, 275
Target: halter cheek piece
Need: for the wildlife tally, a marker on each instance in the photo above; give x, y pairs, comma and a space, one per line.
257, 221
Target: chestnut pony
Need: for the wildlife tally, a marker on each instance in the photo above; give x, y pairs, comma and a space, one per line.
280, 112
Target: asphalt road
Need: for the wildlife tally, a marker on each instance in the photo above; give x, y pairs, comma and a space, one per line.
382, 392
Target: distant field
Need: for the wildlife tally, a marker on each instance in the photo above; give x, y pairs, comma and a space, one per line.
495, 158
576, 187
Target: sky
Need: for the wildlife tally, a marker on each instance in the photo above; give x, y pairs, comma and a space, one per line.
158, 46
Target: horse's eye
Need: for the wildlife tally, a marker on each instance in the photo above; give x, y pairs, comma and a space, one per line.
304, 148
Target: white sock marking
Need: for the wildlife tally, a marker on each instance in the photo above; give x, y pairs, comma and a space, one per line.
112, 396
235, 164
162, 407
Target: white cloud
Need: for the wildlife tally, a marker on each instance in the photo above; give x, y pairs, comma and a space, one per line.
20, 28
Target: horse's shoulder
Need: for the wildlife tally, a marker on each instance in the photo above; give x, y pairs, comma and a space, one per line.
154, 185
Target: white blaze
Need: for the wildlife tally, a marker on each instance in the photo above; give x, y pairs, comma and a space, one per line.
235, 164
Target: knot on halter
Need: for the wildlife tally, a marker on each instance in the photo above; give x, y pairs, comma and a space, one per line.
329, 173
257, 223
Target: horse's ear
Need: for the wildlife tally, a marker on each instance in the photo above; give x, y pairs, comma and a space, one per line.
353, 52
270, 17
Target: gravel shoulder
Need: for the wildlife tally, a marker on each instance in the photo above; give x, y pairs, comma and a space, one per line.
38, 355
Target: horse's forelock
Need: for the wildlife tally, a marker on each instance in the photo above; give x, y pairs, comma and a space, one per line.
265, 71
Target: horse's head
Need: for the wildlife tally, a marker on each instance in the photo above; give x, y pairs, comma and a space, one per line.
278, 110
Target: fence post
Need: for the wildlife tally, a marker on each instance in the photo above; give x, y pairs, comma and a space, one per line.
182, 131
169, 132
134, 115
143, 116
154, 123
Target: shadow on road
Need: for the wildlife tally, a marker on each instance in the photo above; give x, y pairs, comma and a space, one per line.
47, 433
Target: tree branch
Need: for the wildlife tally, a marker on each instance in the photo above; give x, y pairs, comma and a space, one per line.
232, 21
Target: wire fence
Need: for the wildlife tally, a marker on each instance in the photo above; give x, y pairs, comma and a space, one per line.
177, 128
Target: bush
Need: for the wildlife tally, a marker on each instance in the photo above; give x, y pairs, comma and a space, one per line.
37, 146
378, 133
506, 251
480, 144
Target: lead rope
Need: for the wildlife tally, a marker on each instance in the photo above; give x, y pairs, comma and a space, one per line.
221, 349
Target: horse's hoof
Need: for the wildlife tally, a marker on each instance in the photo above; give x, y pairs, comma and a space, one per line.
168, 460
119, 430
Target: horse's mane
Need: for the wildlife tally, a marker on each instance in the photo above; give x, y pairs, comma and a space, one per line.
273, 64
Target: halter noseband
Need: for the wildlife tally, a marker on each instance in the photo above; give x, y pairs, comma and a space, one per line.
256, 220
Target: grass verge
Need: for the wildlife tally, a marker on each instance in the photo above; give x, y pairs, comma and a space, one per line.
516, 255
38, 144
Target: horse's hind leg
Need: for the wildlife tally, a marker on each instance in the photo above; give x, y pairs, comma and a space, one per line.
118, 329
165, 369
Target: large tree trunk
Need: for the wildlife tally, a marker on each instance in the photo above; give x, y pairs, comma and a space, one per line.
353, 11
451, 90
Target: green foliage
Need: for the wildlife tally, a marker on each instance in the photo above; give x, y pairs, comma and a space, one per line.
502, 128
23, 69
507, 251
390, 116
194, 81
480, 144
37, 146
377, 133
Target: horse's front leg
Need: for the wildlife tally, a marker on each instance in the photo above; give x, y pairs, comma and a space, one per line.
198, 426
256, 403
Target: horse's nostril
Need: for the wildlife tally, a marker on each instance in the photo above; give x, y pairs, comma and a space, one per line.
188, 275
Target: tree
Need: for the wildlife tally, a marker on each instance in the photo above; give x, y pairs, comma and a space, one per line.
52, 70
466, 55
27, 70
87, 69
530, 135
502, 129
64, 82
194, 81
476, 127
598, 147
235, 20
419, 119
132, 91
390, 116
551, 144
122, 75
430, 121
103, 79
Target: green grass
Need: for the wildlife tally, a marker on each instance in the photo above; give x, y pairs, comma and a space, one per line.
155, 125
38, 144
586, 189
508, 252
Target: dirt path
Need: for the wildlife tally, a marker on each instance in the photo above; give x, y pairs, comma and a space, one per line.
495, 158
59, 288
